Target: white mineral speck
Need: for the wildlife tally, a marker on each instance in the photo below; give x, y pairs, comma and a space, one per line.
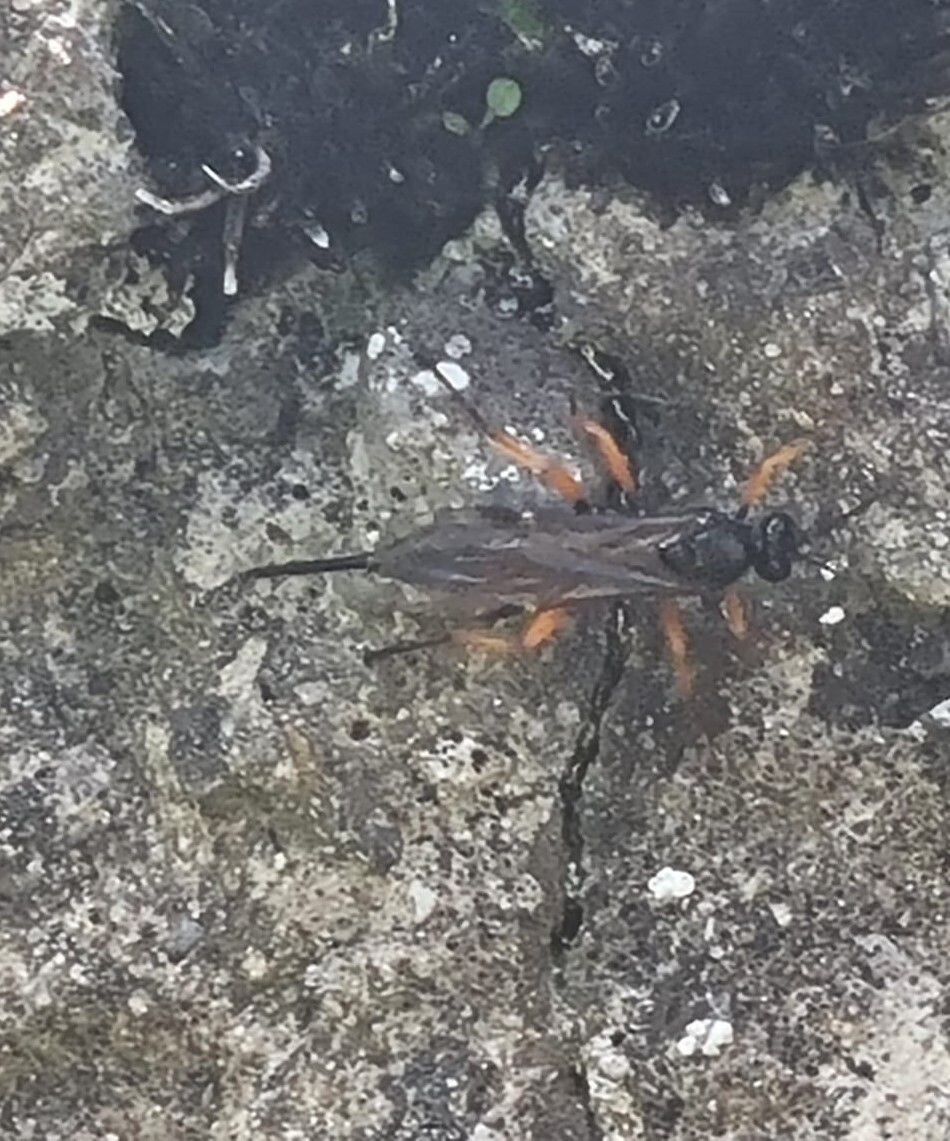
668, 883
318, 235
349, 370
427, 382
941, 713
781, 913
832, 616
138, 1003
457, 346
614, 1066
707, 1035
375, 346
454, 374
772, 350
423, 900
10, 101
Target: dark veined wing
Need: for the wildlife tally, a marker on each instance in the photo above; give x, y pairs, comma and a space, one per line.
552, 555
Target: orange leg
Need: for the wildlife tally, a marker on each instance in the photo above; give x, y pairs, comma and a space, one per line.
542, 627
737, 618
549, 472
611, 454
769, 470
671, 621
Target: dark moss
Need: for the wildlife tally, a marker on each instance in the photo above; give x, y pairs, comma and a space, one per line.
713, 102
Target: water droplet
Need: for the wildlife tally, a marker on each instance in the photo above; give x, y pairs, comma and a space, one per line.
604, 71
663, 117
719, 195
651, 51
825, 139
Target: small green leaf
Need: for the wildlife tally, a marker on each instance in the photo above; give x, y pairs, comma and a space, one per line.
457, 124
523, 17
503, 97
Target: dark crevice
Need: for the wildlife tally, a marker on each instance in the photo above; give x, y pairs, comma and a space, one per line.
571, 784
582, 1089
867, 209
377, 139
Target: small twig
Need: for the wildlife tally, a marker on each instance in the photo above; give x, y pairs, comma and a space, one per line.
386, 33
173, 207
234, 214
250, 185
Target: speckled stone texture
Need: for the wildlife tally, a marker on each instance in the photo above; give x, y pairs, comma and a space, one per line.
252, 888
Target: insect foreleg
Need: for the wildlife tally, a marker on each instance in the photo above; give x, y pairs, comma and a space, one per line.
547, 471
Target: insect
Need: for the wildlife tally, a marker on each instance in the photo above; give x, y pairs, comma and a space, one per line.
553, 561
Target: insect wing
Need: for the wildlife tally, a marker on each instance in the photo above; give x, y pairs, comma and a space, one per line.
554, 555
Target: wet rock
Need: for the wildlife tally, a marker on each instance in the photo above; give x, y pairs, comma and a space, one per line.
275, 892
806, 800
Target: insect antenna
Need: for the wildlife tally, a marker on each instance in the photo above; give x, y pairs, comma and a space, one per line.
372, 656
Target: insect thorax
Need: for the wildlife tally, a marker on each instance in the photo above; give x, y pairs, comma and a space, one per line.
713, 550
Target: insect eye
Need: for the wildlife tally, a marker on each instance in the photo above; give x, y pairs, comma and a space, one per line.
777, 547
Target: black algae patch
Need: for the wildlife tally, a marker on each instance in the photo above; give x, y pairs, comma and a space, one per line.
384, 129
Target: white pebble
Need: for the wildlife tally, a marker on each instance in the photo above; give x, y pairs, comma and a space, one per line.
941, 713
454, 374
457, 346
668, 883
832, 616
318, 235
772, 350
375, 346
10, 101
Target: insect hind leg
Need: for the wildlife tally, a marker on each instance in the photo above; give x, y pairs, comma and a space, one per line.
542, 627
488, 640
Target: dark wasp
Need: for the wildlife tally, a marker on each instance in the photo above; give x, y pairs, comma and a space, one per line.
551, 562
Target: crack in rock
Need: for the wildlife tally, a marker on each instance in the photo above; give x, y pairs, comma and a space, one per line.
571, 784
582, 1089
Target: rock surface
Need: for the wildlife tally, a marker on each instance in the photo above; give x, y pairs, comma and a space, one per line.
253, 888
